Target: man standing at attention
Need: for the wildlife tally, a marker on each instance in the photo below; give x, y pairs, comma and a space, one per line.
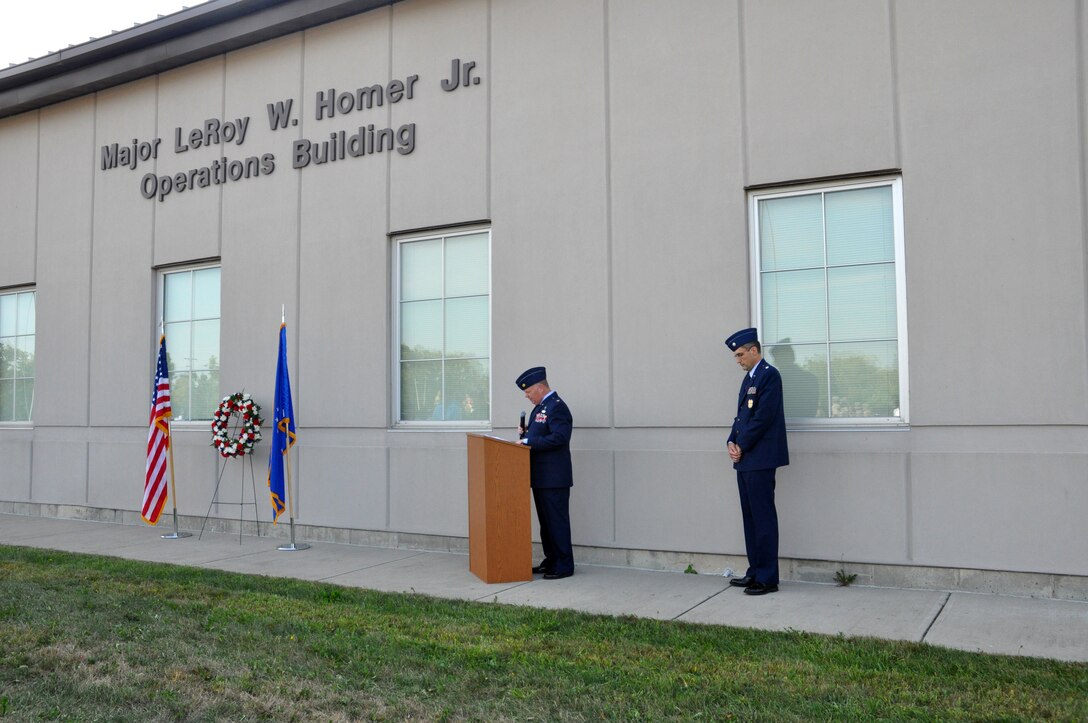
757, 446
547, 434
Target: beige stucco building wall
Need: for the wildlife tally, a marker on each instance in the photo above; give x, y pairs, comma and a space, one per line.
608, 146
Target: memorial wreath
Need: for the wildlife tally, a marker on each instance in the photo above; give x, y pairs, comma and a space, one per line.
249, 430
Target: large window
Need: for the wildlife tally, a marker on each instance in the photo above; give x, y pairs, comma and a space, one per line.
443, 329
190, 311
829, 277
17, 356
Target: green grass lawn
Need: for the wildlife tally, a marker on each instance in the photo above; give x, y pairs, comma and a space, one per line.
87, 638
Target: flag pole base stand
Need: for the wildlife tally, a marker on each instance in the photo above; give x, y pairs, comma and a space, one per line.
175, 535
292, 546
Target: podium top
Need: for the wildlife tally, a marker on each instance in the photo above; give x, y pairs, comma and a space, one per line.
493, 438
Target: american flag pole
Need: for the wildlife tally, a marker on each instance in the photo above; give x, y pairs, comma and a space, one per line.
174, 498
170, 456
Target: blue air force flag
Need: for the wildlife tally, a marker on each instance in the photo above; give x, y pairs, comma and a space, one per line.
283, 430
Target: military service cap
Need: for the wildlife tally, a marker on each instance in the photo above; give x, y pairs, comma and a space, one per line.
742, 337
531, 376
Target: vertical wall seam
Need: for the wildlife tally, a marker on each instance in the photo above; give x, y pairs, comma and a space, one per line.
30, 478
609, 241
742, 68
297, 327
893, 50
615, 497
742, 71
389, 310
153, 280
490, 111
37, 198
389, 123
301, 179
222, 187
488, 203
34, 268
155, 166
90, 269
1082, 128
154, 310
391, 333
908, 510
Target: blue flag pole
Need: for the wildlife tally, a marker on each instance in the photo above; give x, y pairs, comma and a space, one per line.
283, 386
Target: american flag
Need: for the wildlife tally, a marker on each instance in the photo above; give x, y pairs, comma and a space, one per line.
158, 440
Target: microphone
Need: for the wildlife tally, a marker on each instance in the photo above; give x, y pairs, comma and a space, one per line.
521, 425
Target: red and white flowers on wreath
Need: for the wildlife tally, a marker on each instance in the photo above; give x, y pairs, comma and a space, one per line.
249, 429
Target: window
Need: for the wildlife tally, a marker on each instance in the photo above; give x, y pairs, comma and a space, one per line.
17, 356
443, 330
829, 298
190, 311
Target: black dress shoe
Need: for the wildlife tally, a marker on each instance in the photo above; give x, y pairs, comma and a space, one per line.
758, 588
541, 570
556, 575
741, 581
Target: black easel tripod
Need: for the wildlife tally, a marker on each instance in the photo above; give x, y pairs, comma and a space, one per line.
241, 498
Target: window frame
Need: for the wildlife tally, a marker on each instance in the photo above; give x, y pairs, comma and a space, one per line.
161, 273
453, 425
15, 292
895, 182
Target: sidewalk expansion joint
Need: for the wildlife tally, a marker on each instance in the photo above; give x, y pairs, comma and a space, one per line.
947, 597
701, 602
369, 567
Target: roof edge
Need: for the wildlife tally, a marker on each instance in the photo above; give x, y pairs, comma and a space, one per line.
171, 41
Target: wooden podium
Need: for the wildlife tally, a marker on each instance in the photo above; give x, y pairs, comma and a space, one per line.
499, 530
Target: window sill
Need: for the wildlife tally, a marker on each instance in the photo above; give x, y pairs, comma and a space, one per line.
846, 425
441, 427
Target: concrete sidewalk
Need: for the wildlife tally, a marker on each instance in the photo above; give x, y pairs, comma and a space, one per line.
1043, 628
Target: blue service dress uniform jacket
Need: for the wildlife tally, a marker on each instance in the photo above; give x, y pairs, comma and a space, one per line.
759, 428
551, 476
548, 436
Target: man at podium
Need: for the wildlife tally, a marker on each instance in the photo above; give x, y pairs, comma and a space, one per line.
547, 434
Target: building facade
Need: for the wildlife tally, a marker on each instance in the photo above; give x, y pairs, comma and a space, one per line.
438, 194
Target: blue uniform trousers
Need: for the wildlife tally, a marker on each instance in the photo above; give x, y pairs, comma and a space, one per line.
553, 512
760, 524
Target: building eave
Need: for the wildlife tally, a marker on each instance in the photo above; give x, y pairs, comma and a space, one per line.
188, 36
